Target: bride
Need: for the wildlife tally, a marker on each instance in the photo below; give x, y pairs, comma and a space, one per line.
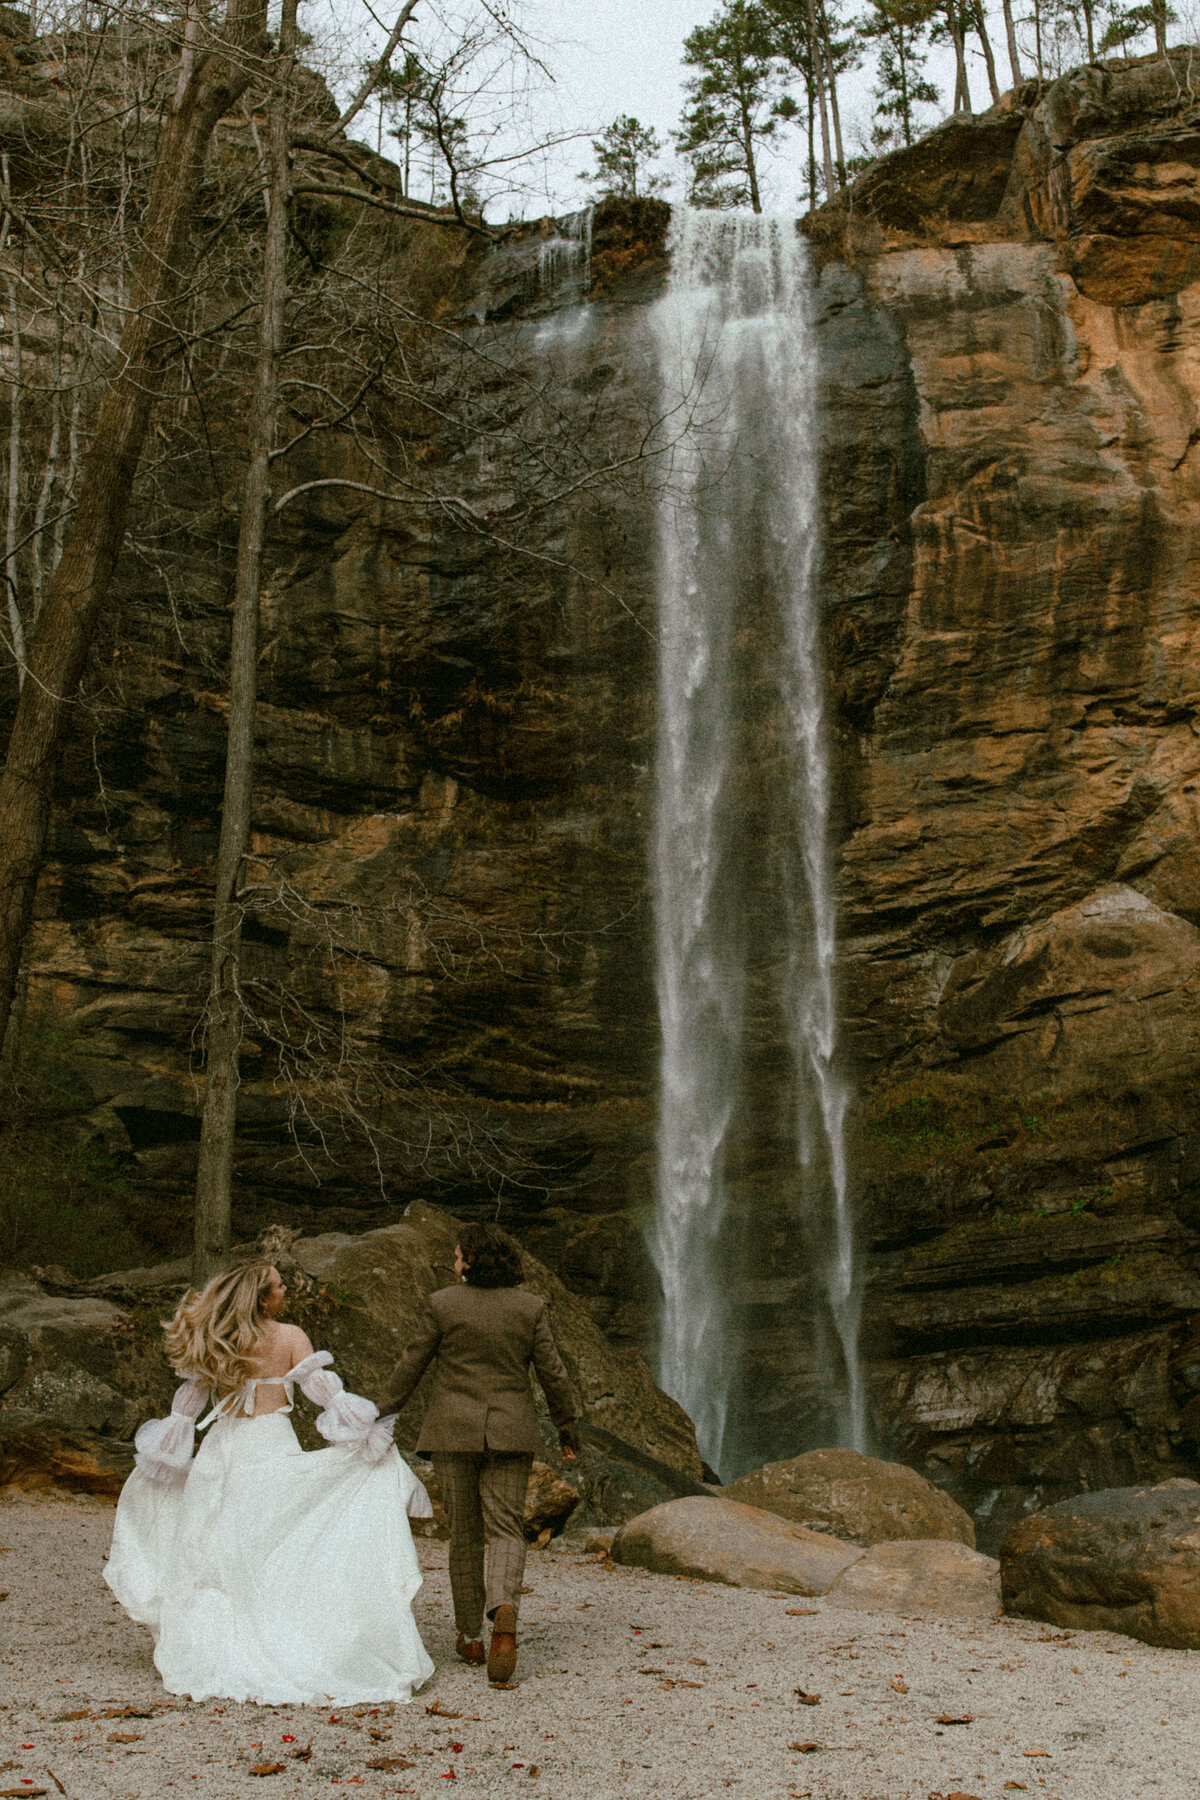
266, 1572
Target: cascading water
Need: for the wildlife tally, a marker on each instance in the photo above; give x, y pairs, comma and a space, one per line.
738, 533
564, 258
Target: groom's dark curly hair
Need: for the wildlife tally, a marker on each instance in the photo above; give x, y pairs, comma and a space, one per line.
493, 1257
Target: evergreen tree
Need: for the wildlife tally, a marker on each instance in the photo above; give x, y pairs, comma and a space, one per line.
734, 105
624, 151
899, 27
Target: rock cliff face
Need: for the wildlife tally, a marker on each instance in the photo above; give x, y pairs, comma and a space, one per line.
462, 749
1018, 666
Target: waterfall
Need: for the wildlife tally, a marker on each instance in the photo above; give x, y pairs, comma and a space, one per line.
738, 531
565, 258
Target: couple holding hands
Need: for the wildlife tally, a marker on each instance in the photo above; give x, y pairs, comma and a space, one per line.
272, 1574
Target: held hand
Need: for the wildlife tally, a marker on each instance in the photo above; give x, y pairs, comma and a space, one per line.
569, 1455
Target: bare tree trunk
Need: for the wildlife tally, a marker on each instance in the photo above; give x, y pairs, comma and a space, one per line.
831, 72
985, 41
1089, 27
817, 65
50, 472
12, 592
962, 93
76, 592
1010, 31
812, 144
748, 153
225, 1014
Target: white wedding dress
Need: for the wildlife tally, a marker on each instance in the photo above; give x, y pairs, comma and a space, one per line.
267, 1572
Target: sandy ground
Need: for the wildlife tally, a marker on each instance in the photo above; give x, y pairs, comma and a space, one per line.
629, 1684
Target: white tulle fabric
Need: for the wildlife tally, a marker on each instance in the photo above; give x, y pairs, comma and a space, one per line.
266, 1572
164, 1446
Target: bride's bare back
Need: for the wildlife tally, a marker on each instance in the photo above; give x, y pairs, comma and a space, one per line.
280, 1348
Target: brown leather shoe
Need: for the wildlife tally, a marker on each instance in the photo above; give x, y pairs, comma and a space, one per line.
470, 1649
502, 1657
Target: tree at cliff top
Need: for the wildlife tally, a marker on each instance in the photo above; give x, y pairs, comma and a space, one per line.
734, 106
812, 43
899, 28
625, 152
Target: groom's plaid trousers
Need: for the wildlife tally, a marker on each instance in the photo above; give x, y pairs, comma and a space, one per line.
484, 1496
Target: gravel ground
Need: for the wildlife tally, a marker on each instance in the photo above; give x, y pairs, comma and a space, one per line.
629, 1684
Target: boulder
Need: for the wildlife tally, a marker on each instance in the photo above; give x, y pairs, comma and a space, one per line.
743, 1546
854, 1497
549, 1502
1123, 1559
921, 1575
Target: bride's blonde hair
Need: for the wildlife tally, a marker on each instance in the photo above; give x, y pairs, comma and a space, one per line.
214, 1335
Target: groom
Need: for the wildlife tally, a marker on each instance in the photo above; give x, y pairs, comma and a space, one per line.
483, 1337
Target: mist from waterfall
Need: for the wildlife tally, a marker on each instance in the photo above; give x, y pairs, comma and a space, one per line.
738, 532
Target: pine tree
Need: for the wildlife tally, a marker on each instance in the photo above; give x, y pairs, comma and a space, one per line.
734, 106
624, 151
899, 27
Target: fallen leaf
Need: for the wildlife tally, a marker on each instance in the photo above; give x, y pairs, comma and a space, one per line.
807, 1699
1035, 1753
30, 1793
81, 1712
900, 1686
380, 1737
440, 1712
304, 1755
1056, 1637
953, 1719
698, 1662
534, 1770
128, 1712
269, 1769
1018, 1785
802, 1612
389, 1763
649, 1671
126, 1737
804, 1749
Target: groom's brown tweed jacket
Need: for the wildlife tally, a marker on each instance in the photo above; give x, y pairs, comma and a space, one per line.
484, 1340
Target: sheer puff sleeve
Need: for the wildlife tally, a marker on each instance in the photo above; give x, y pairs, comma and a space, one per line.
352, 1420
164, 1446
